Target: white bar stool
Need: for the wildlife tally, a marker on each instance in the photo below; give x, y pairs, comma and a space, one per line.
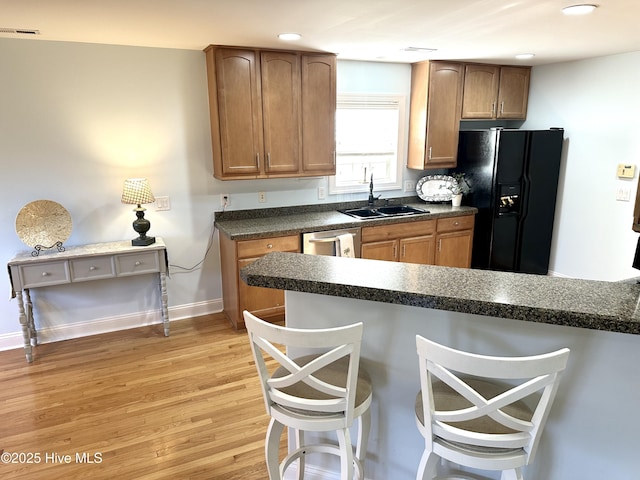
483, 412
321, 392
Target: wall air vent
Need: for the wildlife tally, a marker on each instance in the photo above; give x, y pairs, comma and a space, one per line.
20, 31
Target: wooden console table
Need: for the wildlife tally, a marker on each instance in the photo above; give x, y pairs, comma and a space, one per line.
83, 263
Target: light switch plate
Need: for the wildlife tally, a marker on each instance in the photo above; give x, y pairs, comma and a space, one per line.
626, 171
623, 194
163, 204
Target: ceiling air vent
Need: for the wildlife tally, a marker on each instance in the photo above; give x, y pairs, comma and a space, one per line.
20, 31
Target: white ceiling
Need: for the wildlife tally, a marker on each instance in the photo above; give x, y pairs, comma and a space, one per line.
479, 30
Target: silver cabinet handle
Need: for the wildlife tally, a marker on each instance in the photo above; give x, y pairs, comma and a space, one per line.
269, 245
502, 107
493, 109
45, 274
257, 160
138, 263
404, 251
268, 160
430, 149
92, 268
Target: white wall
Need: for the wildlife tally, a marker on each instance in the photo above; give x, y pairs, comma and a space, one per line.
596, 101
77, 119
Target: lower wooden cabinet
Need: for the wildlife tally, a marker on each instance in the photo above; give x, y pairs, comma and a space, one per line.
266, 303
445, 242
410, 242
454, 241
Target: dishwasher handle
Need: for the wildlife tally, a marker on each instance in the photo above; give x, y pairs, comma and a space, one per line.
326, 240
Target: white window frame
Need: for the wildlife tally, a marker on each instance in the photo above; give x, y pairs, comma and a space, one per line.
362, 185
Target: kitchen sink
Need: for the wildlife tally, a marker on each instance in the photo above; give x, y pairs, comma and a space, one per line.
399, 210
383, 212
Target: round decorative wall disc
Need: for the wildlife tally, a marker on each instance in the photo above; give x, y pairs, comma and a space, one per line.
43, 223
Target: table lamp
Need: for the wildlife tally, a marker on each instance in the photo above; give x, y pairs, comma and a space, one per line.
136, 191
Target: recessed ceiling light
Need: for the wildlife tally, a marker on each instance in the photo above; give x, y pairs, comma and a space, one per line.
419, 49
525, 56
581, 9
289, 36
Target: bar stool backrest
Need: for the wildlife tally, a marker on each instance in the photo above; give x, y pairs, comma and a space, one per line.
299, 387
489, 392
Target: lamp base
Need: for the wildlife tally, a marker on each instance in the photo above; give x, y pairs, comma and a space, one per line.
143, 241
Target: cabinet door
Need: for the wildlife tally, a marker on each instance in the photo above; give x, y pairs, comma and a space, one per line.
514, 92
281, 111
319, 114
262, 302
480, 94
239, 111
454, 249
418, 250
443, 114
385, 250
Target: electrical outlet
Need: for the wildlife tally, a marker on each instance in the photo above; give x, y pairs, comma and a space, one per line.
162, 204
225, 200
409, 186
322, 193
262, 197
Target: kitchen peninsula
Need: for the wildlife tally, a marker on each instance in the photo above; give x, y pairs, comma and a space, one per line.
590, 433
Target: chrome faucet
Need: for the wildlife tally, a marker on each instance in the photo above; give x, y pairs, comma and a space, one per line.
372, 199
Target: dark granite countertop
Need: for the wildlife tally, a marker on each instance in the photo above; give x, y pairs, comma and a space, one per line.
610, 306
260, 223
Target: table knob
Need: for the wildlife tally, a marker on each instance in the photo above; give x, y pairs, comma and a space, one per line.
44, 274
138, 263
92, 268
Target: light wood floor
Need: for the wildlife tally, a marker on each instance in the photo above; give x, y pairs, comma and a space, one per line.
140, 405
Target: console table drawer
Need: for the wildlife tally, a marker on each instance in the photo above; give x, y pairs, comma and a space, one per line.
51, 273
92, 268
137, 263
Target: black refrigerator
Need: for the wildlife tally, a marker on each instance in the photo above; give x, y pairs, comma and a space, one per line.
513, 179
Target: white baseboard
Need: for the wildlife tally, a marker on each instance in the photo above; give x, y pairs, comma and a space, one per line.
9, 341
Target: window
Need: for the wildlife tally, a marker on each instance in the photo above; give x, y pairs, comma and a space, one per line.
369, 133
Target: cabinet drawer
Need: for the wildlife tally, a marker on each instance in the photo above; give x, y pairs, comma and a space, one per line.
453, 224
91, 268
398, 230
136, 263
52, 273
262, 246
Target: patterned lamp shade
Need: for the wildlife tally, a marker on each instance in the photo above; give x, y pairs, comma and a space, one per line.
136, 191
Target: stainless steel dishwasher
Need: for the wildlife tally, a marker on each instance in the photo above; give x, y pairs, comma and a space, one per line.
326, 242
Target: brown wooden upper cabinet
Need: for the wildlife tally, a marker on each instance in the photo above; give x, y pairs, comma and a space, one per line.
495, 92
272, 112
434, 121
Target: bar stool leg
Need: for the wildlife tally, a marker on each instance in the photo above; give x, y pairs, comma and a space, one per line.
299, 436
272, 448
364, 428
428, 465
515, 474
346, 454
